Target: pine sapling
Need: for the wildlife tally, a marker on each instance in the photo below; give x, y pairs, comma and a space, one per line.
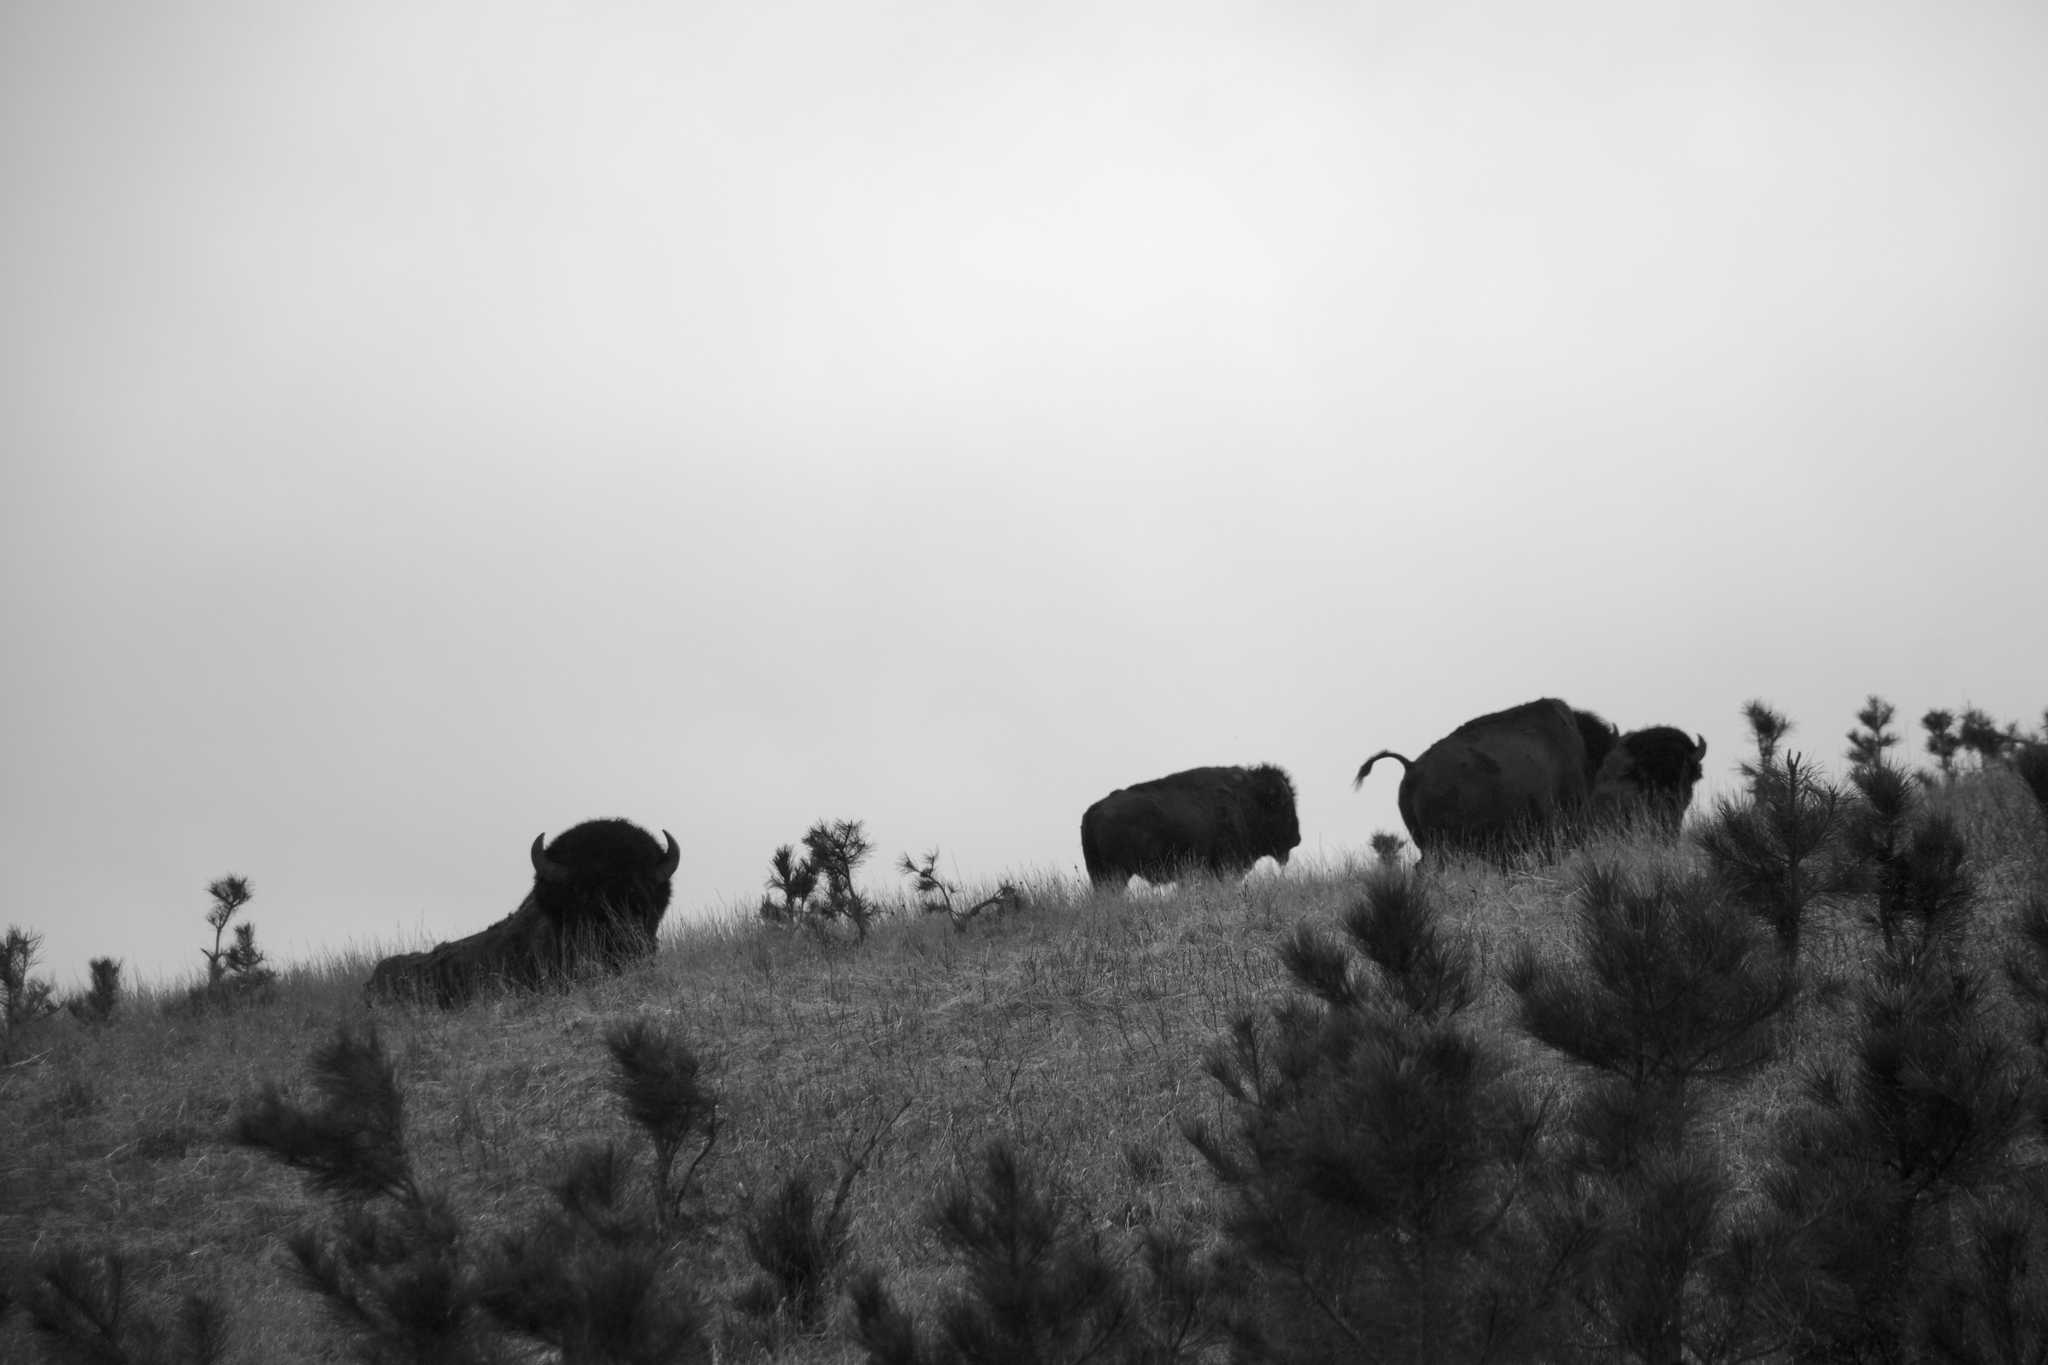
1867, 743
1777, 851
1377, 1154
24, 998
1897, 1169
800, 1240
85, 1309
1040, 1285
1942, 741
96, 1004
657, 1078
393, 1279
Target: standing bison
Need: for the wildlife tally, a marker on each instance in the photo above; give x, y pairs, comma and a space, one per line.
1522, 778
1224, 819
599, 891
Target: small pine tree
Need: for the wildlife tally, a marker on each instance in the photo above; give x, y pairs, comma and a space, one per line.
1893, 1180
658, 1080
1942, 741
1386, 848
85, 1309
1778, 850
837, 848
834, 849
1983, 736
1768, 729
1379, 1154
24, 998
934, 893
1041, 1285
1868, 743
96, 1005
793, 881
235, 972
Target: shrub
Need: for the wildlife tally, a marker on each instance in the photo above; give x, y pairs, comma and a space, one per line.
235, 974
24, 998
96, 1005
833, 850
1379, 1153
1040, 1285
85, 1310
593, 1277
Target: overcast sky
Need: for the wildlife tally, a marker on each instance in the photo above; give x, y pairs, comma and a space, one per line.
431, 424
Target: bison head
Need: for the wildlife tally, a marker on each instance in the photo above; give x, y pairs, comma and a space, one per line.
603, 874
1650, 772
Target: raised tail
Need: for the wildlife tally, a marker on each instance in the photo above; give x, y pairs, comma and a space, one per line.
1359, 780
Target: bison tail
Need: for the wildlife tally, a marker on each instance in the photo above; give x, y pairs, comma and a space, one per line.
1359, 780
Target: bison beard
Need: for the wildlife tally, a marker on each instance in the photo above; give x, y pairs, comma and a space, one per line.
599, 892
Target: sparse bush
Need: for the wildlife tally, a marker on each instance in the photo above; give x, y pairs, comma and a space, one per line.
85, 1310
1386, 848
657, 1078
1041, 1286
96, 1005
1868, 743
1908, 1165
1942, 741
834, 849
235, 974
1778, 850
594, 1277
24, 998
1379, 1156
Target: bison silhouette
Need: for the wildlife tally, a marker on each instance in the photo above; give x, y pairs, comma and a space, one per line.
1222, 819
1530, 778
599, 892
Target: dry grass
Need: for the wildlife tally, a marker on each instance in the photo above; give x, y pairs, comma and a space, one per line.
1075, 1027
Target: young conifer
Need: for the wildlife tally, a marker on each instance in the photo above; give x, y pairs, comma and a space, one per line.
1777, 850
1379, 1153
96, 1005
85, 1309
1040, 1285
1892, 1182
1670, 986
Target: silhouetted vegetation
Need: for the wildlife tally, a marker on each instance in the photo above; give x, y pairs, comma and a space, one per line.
24, 997
1040, 1284
86, 1310
594, 1277
818, 889
96, 1004
235, 973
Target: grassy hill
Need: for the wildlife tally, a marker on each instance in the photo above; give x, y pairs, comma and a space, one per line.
1075, 1028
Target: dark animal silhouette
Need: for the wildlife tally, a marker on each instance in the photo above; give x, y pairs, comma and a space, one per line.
1649, 777
1222, 819
1527, 777
599, 892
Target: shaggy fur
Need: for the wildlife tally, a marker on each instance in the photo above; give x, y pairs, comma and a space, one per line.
599, 892
1222, 819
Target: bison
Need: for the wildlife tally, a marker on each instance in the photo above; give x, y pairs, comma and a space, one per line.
1224, 819
599, 892
1522, 778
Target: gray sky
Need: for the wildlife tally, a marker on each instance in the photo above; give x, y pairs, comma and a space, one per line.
432, 424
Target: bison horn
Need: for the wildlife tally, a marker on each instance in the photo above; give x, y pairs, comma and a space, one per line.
545, 868
675, 856
1699, 750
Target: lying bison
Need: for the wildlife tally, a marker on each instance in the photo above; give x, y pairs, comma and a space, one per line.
1523, 778
1224, 819
599, 891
